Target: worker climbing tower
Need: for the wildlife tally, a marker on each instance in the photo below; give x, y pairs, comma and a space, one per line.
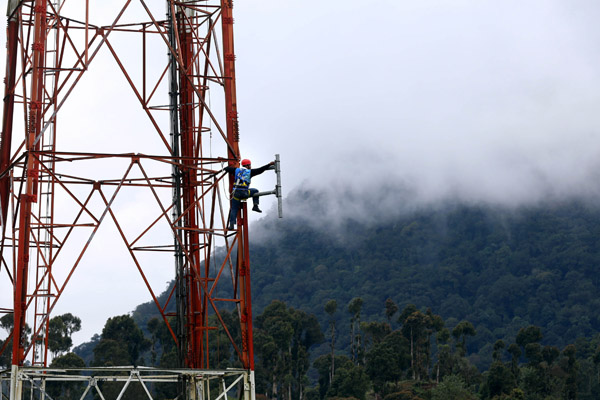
63, 178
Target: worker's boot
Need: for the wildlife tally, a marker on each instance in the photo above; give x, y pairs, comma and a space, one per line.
255, 208
231, 226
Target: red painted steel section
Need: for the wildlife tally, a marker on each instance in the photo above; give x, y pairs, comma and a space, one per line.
245, 297
196, 315
36, 105
243, 259
7, 116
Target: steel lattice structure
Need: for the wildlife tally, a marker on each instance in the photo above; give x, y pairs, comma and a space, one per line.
203, 384
54, 199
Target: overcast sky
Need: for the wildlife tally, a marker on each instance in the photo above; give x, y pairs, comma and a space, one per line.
491, 101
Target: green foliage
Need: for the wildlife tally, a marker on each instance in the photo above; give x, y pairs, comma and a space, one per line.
60, 329
323, 366
409, 390
331, 307
391, 308
374, 332
86, 349
499, 269
531, 334
402, 395
65, 389
69, 360
418, 329
350, 381
122, 342
162, 340
461, 331
500, 380
387, 360
354, 308
451, 388
570, 391
110, 353
282, 339
506, 275
498, 347
5, 357
7, 323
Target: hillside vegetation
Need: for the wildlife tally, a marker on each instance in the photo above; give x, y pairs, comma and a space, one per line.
490, 302
500, 269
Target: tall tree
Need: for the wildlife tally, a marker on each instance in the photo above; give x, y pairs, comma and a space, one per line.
415, 326
435, 324
531, 334
515, 352
460, 333
354, 308
7, 323
121, 344
444, 365
125, 333
500, 380
571, 381
374, 332
391, 308
323, 366
350, 381
67, 390
387, 360
153, 326
307, 332
273, 340
330, 309
498, 348
283, 337
60, 330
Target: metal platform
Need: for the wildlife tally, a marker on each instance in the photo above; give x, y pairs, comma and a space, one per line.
31, 382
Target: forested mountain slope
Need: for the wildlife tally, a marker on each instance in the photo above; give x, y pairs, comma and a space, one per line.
500, 268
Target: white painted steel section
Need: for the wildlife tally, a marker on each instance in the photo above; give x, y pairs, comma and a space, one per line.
229, 381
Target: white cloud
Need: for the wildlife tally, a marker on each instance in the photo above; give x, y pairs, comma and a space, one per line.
478, 99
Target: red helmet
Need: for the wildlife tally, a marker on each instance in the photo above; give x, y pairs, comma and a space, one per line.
245, 162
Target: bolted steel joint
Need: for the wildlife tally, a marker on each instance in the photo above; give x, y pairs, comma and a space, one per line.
29, 198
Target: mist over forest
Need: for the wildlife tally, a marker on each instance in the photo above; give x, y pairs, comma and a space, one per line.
528, 261
521, 279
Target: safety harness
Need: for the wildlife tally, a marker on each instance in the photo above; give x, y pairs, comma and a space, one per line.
242, 183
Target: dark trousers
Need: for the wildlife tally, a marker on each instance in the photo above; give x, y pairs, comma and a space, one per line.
239, 195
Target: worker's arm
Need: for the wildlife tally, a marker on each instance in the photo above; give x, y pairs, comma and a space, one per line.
229, 169
258, 171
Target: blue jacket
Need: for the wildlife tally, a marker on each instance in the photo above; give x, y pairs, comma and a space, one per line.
253, 172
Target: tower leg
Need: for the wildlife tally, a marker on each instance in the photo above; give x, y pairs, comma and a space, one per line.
249, 390
192, 388
16, 386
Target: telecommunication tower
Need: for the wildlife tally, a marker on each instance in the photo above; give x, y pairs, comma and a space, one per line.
179, 63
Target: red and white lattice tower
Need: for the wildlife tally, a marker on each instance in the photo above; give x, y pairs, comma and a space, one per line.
178, 61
